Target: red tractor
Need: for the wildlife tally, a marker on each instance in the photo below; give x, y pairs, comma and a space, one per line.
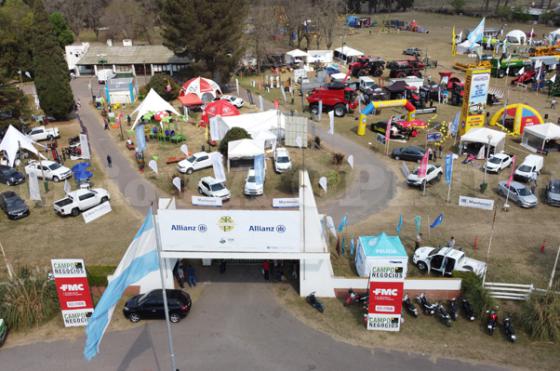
364, 66
337, 97
406, 67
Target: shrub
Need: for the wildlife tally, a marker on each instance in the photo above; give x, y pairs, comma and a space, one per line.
164, 85
289, 181
233, 134
28, 300
541, 316
337, 158
97, 274
475, 292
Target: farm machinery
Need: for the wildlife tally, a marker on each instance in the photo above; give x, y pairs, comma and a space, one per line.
364, 66
404, 68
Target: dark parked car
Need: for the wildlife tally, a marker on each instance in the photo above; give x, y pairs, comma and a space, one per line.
13, 205
150, 306
411, 153
398, 131
10, 176
553, 192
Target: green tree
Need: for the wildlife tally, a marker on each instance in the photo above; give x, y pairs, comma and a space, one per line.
13, 104
52, 80
209, 32
164, 85
457, 5
61, 29
232, 135
16, 20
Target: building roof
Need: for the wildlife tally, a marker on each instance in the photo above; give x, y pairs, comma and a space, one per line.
136, 54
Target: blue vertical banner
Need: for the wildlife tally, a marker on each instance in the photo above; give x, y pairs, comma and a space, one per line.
448, 168
399, 224
437, 221
259, 169
455, 124
140, 138
418, 223
343, 223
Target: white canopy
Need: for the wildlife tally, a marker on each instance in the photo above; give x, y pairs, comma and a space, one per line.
349, 52
516, 37
244, 149
338, 76
152, 103
267, 137
483, 135
468, 47
13, 141
254, 123
297, 53
535, 137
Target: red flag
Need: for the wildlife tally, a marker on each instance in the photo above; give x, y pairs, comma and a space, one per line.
512, 170
276, 104
388, 130
423, 168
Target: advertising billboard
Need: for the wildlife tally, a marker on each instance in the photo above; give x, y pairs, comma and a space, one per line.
477, 83
72, 287
230, 230
385, 305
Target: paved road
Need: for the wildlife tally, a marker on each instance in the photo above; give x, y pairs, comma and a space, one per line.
231, 327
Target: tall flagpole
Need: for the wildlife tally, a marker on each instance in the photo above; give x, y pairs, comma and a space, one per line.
165, 306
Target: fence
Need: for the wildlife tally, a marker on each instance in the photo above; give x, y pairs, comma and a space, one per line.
509, 291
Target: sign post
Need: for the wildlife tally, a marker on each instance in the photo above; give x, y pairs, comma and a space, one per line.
73, 291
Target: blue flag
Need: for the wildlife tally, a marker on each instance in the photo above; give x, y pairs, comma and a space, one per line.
259, 169
418, 222
455, 124
437, 221
140, 138
399, 224
343, 223
448, 168
342, 246
476, 35
352, 247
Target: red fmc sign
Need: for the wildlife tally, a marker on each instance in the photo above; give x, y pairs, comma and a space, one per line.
385, 297
73, 293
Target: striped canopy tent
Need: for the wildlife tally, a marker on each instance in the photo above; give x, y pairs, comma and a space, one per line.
207, 90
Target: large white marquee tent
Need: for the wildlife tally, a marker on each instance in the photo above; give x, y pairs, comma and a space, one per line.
536, 137
265, 126
483, 136
13, 141
152, 103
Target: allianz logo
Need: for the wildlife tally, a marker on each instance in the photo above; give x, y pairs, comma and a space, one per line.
189, 228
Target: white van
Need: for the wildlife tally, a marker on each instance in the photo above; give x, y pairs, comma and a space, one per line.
530, 168
366, 84
104, 75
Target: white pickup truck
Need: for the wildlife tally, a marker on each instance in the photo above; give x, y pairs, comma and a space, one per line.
80, 200
50, 169
445, 260
433, 173
43, 133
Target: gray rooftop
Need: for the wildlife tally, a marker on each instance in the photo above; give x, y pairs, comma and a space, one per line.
136, 54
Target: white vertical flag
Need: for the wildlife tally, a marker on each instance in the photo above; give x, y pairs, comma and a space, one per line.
185, 149
177, 183
84, 146
351, 161
261, 103
218, 166
34, 192
237, 86
299, 142
320, 115
67, 187
283, 94
153, 165
323, 183
214, 131
331, 122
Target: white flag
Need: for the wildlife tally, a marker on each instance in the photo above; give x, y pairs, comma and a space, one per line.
351, 161
84, 146
218, 166
320, 115
237, 86
538, 64
34, 192
177, 183
261, 103
185, 149
521, 71
323, 183
299, 142
283, 94
67, 187
553, 78
214, 131
153, 165
331, 122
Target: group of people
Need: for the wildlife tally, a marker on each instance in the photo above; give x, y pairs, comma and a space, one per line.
182, 271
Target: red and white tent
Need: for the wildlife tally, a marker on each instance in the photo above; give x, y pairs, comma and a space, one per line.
219, 107
206, 89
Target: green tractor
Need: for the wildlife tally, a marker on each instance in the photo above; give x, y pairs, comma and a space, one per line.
499, 67
3, 331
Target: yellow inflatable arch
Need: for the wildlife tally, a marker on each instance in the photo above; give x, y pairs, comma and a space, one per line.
514, 117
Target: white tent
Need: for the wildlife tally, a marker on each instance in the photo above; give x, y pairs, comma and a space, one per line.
13, 141
267, 138
272, 120
536, 137
483, 136
347, 53
516, 37
244, 149
467, 47
152, 103
294, 55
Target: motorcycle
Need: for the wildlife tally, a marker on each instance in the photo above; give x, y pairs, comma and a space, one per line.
491, 321
508, 329
353, 298
409, 306
467, 309
453, 309
443, 315
314, 302
427, 308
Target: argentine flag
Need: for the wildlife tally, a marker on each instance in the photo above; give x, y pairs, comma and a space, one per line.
140, 259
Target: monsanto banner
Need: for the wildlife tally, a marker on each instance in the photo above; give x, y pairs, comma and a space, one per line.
72, 287
385, 305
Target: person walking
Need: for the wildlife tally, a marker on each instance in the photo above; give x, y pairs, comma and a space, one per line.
266, 270
191, 276
451, 242
128, 120
106, 122
418, 241
553, 103
109, 161
181, 274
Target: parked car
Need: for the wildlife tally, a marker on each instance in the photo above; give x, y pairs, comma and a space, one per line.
51, 170
445, 260
80, 200
42, 133
3, 331
498, 162
553, 192
282, 160
13, 205
529, 169
150, 305
433, 173
10, 176
251, 187
236, 101
197, 161
209, 186
411, 153
415, 52
518, 193
398, 132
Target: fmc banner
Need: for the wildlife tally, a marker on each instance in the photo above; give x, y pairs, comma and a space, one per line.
386, 285
72, 287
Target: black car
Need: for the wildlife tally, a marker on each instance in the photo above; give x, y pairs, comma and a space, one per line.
13, 205
10, 176
411, 153
398, 131
150, 306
